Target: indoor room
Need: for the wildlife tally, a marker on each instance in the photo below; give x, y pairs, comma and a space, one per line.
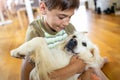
98, 19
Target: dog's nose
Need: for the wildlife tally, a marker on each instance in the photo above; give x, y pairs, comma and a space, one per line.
71, 44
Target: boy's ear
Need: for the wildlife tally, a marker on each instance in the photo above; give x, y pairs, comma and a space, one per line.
43, 8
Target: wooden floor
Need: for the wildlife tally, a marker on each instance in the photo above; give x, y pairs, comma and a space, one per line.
104, 30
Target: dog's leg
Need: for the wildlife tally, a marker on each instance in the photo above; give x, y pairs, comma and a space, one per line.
27, 48
34, 75
98, 58
101, 61
100, 74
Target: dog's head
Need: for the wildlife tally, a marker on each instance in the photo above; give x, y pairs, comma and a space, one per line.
77, 43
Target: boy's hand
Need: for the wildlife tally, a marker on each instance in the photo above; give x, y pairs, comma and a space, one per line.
88, 75
94, 77
78, 63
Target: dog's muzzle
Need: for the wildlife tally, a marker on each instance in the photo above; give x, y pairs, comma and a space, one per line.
71, 45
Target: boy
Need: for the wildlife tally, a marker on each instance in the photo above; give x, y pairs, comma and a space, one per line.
54, 26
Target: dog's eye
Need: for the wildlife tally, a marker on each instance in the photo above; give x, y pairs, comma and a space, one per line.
74, 36
84, 44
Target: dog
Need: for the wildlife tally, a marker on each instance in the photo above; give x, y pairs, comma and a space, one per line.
47, 60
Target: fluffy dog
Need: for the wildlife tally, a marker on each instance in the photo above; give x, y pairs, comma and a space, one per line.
47, 60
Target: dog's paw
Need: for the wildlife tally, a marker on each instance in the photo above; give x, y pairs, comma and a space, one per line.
105, 60
15, 53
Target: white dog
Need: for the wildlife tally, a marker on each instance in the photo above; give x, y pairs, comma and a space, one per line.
47, 60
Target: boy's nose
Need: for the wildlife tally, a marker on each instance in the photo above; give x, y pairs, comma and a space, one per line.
66, 21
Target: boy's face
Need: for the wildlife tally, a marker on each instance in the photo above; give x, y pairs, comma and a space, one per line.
58, 19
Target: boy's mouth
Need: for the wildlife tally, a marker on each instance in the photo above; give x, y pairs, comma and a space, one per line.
61, 28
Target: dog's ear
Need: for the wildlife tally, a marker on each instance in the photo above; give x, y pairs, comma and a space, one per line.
84, 32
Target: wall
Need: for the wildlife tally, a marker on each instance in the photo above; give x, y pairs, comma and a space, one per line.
103, 4
91, 4
118, 3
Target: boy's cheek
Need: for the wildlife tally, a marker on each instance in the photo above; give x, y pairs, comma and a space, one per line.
58, 23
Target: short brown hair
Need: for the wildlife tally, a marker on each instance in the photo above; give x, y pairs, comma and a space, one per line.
62, 4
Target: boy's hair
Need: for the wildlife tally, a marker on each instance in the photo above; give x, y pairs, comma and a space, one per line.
62, 4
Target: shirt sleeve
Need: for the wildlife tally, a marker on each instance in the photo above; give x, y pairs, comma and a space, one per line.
33, 30
30, 33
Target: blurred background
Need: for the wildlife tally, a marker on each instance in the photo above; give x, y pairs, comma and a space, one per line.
100, 18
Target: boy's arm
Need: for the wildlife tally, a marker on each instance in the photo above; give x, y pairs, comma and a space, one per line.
26, 69
88, 75
75, 66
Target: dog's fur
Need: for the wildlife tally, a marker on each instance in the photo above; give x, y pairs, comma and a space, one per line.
47, 60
